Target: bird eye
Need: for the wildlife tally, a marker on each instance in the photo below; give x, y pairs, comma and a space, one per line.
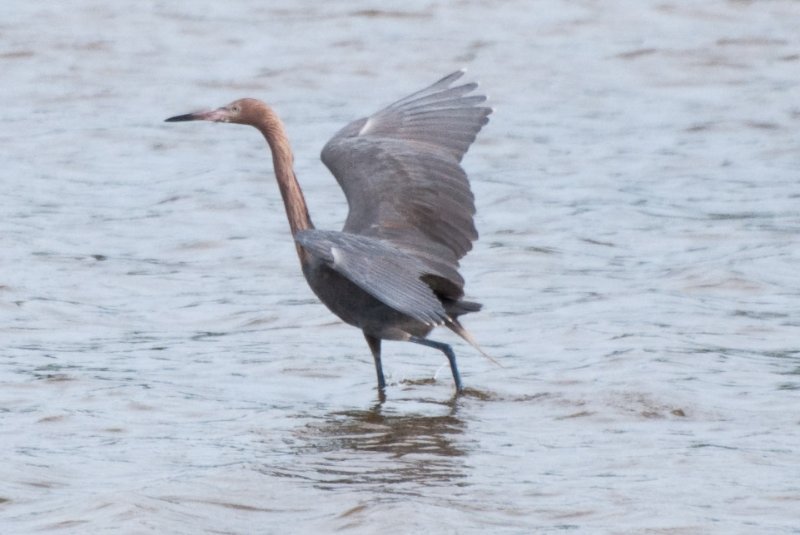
235, 109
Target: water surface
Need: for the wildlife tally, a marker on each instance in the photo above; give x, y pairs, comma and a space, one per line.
165, 369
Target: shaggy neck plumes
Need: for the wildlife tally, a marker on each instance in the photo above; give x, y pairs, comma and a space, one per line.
271, 127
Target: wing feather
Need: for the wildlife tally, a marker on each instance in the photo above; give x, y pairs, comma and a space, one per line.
379, 268
400, 171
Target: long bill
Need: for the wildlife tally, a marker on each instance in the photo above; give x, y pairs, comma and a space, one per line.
219, 115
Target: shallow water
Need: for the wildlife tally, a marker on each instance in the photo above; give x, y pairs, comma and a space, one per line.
165, 369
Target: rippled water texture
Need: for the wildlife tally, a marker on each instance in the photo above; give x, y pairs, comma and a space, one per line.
165, 369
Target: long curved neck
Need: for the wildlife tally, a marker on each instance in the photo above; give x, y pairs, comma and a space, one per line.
282, 160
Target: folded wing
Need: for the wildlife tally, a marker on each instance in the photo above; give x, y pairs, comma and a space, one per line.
379, 268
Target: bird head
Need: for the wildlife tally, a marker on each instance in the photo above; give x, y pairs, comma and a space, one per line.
242, 111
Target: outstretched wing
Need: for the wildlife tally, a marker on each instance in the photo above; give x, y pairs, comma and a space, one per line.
400, 171
379, 268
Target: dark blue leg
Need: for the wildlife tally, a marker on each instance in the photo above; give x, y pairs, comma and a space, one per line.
375, 346
448, 351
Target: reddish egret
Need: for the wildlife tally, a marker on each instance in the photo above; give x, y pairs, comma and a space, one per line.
393, 270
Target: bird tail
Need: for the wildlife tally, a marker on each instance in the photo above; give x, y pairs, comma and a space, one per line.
454, 325
457, 308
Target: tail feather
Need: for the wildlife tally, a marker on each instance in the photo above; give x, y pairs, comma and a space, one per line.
455, 326
457, 308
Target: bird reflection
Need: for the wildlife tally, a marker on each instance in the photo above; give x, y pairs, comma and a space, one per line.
397, 434
380, 446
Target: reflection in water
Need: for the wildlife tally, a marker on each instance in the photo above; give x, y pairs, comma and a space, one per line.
397, 434
415, 448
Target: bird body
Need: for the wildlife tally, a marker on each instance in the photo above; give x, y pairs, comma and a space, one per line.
393, 269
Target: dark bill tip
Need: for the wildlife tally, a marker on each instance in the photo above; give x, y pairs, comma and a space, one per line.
180, 118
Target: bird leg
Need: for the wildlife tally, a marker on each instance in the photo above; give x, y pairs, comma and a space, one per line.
448, 351
375, 346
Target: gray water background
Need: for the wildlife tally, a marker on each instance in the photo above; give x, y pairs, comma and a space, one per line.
165, 369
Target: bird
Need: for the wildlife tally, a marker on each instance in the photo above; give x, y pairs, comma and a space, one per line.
393, 270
